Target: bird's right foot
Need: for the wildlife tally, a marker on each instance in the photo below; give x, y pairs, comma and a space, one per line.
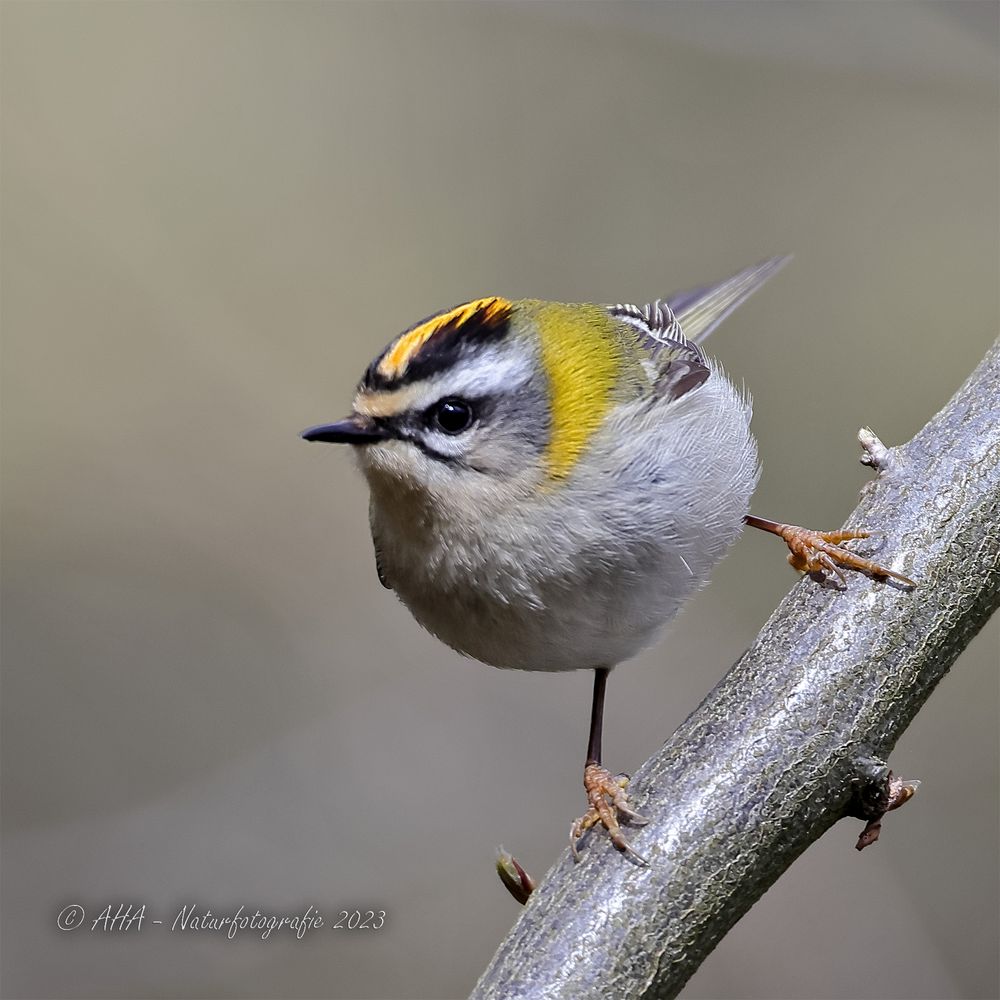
608, 803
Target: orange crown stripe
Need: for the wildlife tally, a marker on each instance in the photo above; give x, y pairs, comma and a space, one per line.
395, 360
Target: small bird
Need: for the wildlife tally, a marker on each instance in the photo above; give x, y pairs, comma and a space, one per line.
550, 482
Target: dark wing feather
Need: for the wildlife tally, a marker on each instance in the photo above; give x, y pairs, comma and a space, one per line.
680, 363
379, 564
380, 569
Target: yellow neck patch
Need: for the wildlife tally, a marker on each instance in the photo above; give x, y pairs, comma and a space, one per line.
407, 345
583, 360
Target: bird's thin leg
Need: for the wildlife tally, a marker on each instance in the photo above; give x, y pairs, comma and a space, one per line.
597, 716
605, 791
819, 552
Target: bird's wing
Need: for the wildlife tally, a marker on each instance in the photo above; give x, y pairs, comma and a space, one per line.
676, 364
700, 310
380, 568
673, 328
377, 545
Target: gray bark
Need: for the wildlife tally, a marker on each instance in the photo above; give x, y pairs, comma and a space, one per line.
791, 740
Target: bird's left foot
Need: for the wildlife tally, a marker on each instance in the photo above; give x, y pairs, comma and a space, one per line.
608, 803
819, 552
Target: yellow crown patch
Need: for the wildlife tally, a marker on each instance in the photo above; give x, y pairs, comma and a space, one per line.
486, 312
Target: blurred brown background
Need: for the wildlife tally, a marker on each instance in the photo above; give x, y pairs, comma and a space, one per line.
213, 216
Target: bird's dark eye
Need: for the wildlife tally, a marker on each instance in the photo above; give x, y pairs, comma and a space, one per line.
452, 415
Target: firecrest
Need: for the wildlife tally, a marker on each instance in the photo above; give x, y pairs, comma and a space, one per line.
550, 482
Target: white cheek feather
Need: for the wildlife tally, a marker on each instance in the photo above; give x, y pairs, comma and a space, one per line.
452, 445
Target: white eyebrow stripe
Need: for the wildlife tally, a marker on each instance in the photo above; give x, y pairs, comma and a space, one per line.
488, 372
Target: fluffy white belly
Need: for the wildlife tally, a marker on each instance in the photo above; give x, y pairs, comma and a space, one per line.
593, 619
586, 574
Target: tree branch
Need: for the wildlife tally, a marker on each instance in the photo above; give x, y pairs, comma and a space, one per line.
791, 740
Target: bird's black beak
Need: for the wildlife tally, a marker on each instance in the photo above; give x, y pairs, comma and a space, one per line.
350, 430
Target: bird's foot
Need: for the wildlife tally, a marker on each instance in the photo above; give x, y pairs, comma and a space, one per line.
608, 803
819, 552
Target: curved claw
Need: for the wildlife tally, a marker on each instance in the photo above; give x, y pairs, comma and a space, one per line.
608, 802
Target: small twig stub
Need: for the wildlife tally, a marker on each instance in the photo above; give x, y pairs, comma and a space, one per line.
875, 454
896, 792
